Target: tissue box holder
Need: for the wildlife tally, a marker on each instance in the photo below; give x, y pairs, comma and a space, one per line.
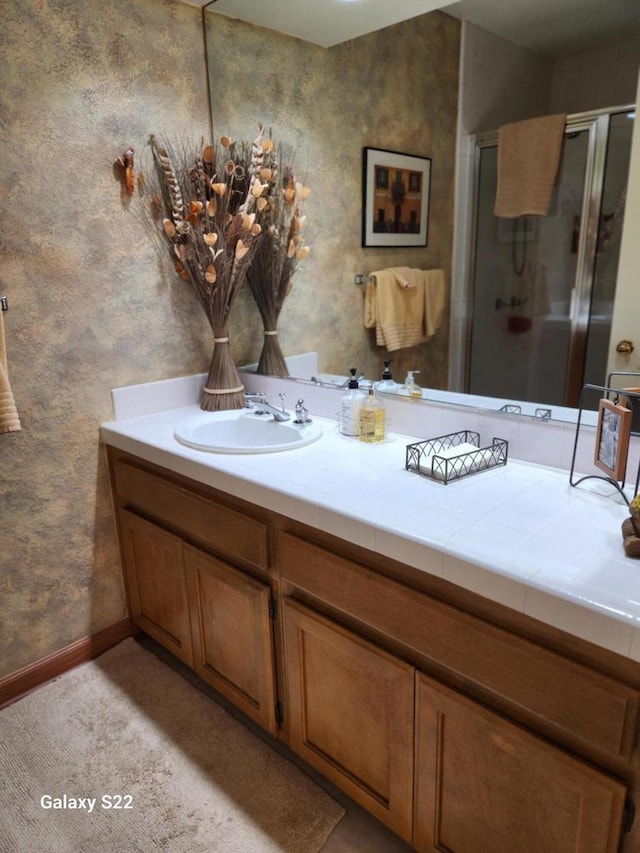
425, 457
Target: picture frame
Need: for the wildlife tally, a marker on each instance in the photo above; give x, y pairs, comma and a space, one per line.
612, 439
395, 204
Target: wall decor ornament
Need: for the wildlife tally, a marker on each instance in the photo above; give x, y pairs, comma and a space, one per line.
207, 203
396, 188
125, 169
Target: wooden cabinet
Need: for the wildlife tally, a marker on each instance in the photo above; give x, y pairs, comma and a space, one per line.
351, 713
482, 783
156, 584
485, 785
232, 641
212, 615
464, 729
555, 689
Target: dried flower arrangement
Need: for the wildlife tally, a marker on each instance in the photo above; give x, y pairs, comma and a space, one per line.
277, 255
210, 205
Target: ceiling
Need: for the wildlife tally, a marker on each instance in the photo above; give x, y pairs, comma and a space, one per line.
325, 22
553, 28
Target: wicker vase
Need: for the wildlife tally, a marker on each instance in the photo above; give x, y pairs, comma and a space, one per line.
272, 361
223, 388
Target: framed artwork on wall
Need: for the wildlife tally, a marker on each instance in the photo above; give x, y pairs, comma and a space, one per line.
612, 439
395, 207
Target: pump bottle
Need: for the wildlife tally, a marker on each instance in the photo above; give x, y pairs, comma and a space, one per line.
387, 383
350, 406
372, 419
413, 389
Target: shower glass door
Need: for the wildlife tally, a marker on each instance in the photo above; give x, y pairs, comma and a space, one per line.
533, 327
603, 291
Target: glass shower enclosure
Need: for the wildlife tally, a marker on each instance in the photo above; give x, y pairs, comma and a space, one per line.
544, 286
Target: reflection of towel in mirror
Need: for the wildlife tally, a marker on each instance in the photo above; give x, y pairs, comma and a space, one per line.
404, 305
528, 160
9, 420
433, 301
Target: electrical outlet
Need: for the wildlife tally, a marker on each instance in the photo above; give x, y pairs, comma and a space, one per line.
358, 279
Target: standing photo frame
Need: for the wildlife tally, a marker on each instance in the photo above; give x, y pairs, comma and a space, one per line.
395, 207
612, 439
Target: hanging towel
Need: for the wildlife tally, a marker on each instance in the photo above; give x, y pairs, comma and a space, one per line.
433, 301
9, 420
528, 160
404, 305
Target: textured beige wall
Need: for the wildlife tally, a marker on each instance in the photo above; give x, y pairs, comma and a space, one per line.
394, 89
91, 305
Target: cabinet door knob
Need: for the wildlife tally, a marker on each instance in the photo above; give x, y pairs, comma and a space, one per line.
625, 347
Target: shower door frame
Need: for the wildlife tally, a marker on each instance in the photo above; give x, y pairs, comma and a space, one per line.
596, 123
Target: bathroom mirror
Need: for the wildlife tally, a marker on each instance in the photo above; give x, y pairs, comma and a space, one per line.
286, 102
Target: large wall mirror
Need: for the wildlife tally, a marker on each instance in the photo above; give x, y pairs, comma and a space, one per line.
530, 302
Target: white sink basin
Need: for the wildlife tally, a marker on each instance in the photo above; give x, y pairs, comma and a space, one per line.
243, 431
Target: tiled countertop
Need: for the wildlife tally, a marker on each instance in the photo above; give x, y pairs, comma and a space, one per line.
519, 535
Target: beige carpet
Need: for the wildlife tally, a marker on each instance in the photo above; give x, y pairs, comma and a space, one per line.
126, 724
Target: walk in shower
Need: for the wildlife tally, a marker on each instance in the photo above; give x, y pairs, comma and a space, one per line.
544, 286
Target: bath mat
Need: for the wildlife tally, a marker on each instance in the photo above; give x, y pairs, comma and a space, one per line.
122, 754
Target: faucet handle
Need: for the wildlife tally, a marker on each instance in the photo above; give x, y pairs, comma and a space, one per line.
302, 413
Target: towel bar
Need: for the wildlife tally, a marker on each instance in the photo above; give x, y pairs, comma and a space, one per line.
4, 303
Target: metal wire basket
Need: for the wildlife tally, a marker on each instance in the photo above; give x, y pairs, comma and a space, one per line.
437, 458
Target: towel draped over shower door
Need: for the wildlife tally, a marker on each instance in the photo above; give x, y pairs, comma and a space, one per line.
528, 161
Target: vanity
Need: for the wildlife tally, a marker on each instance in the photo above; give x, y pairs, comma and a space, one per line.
415, 643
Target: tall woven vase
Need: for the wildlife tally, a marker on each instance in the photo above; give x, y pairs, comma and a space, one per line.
223, 388
272, 361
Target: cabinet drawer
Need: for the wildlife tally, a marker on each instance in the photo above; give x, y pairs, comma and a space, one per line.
209, 522
586, 703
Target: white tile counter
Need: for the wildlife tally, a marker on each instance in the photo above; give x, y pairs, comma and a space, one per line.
519, 535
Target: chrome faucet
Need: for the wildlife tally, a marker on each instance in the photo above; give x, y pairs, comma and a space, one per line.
259, 403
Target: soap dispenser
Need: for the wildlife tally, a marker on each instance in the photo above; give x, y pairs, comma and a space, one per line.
350, 406
413, 389
372, 419
387, 383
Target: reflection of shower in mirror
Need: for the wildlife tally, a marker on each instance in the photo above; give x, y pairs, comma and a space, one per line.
543, 287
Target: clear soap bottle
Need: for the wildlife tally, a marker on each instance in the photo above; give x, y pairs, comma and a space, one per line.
413, 389
350, 406
372, 419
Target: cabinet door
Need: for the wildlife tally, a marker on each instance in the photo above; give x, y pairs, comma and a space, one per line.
485, 785
351, 713
233, 648
156, 583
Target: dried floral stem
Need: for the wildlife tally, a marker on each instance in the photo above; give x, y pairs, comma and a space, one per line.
208, 204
